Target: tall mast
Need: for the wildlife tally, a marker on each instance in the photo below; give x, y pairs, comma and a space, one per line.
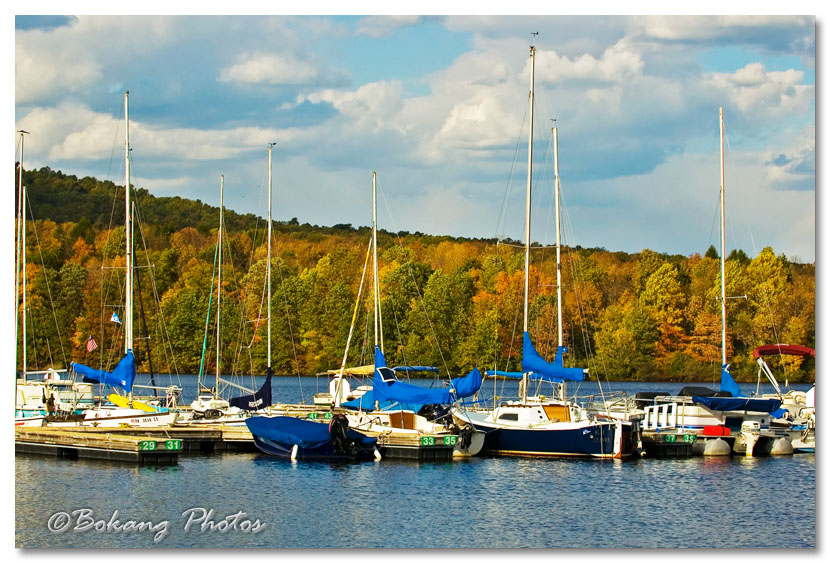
219, 284
23, 242
378, 325
20, 257
529, 180
558, 236
268, 260
128, 289
722, 247
527, 207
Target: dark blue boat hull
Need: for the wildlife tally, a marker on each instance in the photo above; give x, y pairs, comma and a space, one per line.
590, 441
325, 452
280, 435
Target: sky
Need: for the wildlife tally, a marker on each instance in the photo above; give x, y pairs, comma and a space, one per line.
438, 107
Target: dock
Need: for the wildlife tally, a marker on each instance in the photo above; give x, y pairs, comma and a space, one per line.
101, 445
145, 446
668, 444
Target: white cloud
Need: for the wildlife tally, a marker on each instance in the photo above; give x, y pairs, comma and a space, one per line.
40, 66
383, 26
754, 90
371, 108
269, 68
699, 28
618, 63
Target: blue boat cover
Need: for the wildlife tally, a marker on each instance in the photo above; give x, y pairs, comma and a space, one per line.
393, 394
258, 400
122, 376
289, 431
366, 402
468, 385
738, 404
727, 383
393, 390
547, 371
510, 374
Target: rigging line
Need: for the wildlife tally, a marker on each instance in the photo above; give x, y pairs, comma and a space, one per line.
508, 189
161, 323
290, 330
46, 279
765, 294
414, 282
156, 306
582, 304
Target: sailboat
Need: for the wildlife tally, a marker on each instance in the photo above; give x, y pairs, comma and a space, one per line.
297, 438
720, 422
539, 426
123, 410
393, 409
211, 407
53, 395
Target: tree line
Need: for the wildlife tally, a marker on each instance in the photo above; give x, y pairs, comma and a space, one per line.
449, 302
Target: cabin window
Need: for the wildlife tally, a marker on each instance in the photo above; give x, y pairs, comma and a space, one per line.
510, 416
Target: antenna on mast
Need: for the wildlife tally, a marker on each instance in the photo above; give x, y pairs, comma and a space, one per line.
533, 39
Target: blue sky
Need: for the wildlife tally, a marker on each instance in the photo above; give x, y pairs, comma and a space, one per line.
437, 106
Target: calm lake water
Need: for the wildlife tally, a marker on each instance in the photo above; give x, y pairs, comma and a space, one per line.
475, 503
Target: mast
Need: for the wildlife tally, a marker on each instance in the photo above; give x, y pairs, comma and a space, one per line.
527, 204
128, 289
336, 401
268, 260
219, 283
558, 237
20, 257
529, 181
23, 243
378, 324
722, 246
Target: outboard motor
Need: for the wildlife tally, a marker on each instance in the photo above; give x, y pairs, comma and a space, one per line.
339, 434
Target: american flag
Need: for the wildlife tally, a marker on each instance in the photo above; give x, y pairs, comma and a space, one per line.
91, 344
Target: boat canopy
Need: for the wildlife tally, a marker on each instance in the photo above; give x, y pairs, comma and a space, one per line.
290, 431
739, 404
547, 371
256, 401
122, 376
785, 349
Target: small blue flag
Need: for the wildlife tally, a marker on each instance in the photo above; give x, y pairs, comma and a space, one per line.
115, 319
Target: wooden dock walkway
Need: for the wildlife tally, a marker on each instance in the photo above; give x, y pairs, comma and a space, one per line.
83, 444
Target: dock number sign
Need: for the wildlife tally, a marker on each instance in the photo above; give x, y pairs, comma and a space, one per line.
152, 445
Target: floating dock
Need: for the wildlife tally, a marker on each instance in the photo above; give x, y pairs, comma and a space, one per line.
101, 445
668, 444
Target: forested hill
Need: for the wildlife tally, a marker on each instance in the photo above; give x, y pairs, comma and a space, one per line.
449, 302
65, 199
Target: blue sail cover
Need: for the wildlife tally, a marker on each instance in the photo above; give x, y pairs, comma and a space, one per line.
258, 400
546, 371
738, 404
727, 383
366, 402
386, 388
122, 376
468, 385
509, 374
